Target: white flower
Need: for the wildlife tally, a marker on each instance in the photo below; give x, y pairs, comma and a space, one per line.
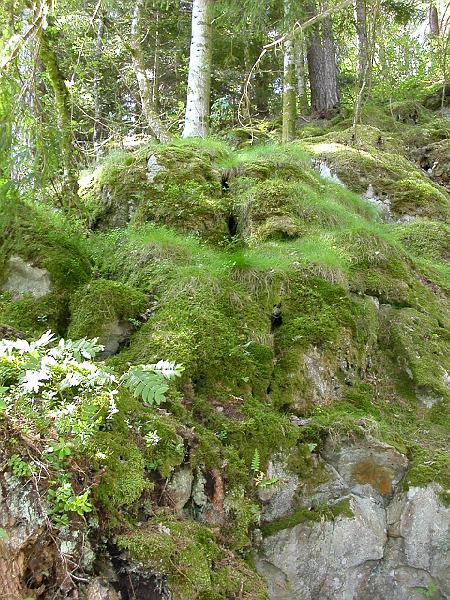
33, 380
72, 379
44, 340
112, 404
152, 438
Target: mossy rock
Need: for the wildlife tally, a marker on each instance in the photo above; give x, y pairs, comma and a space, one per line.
100, 305
45, 239
426, 239
390, 174
421, 346
176, 184
38, 237
211, 326
191, 558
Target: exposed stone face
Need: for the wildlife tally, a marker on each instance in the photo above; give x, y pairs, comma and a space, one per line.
22, 278
278, 500
115, 334
179, 488
395, 546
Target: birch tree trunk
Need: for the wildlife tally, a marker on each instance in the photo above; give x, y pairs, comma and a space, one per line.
361, 30
199, 79
289, 93
145, 78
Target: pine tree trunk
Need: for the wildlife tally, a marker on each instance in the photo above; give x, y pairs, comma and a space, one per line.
144, 78
322, 68
62, 99
199, 79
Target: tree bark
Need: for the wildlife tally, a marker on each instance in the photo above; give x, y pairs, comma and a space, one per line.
98, 125
361, 30
433, 18
299, 45
322, 68
289, 93
199, 79
144, 78
62, 99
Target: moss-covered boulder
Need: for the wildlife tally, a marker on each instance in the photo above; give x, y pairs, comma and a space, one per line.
374, 164
177, 185
43, 258
107, 310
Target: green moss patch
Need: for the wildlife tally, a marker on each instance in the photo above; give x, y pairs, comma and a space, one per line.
99, 304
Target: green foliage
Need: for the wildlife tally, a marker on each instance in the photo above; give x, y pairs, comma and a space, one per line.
147, 381
56, 392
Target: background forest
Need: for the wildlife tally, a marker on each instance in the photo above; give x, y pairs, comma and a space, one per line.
78, 77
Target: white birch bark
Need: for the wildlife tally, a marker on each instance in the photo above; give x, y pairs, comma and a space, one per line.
199, 79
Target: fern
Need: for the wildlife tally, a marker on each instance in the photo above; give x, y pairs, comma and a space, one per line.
84, 349
148, 381
255, 461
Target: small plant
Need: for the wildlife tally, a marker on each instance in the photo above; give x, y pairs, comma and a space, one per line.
429, 591
19, 467
255, 461
259, 477
148, 381
54, 393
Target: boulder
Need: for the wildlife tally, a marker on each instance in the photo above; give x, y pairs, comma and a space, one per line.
23, 278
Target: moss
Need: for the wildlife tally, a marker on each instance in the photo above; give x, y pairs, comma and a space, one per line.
32, 316
194, 563
183, 190
227, 358
99, 304
419, 196
420, 343
242, 514
44, 238
304, 514
425, 239
426, 469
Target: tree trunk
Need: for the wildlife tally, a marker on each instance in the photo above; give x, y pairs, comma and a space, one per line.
361, 30
62, 99
98, 125
199, 79
289, 93
299, 46
433, 17
322, 68
144, 78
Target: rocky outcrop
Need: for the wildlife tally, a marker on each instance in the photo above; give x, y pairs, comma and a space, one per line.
23, 278
394, 546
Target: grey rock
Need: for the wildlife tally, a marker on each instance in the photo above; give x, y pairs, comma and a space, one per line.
23, 278
396, 545
153, 168
324, 383
114, 335
278, 499
179, 488
368, 467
